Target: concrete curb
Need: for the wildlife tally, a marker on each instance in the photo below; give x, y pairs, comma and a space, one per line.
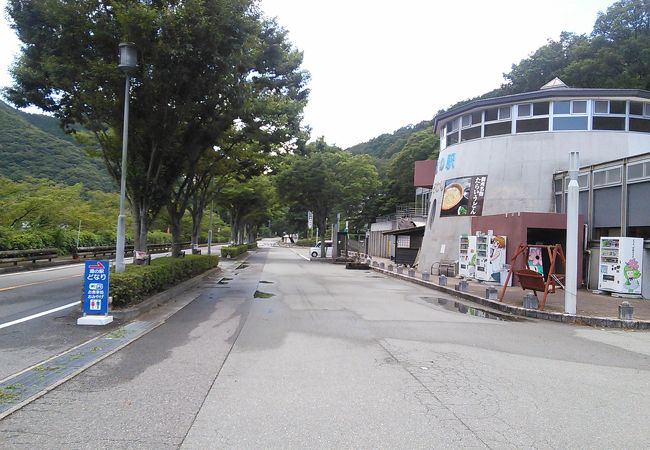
603, 322
161, 297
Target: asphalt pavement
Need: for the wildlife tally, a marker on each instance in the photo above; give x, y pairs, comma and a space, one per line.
324, 357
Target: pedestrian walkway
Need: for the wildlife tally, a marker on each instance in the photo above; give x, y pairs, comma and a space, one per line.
587, 304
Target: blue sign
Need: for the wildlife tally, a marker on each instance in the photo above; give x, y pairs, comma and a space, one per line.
96, 287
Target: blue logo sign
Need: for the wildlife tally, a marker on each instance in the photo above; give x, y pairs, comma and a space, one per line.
447, 163
96, 287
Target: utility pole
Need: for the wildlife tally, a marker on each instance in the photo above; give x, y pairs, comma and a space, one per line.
571, 281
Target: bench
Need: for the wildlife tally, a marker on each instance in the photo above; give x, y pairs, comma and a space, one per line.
33, 255
444, 267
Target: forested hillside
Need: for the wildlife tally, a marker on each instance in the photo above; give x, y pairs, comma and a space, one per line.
32, 145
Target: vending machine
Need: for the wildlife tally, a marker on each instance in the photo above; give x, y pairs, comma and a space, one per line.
621, 260
482, 256
491, 257
467, 256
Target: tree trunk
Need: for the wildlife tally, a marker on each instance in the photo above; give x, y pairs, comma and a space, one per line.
140, 228
323, 249
177, 234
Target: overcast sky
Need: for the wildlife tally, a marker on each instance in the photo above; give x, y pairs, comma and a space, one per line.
378, 65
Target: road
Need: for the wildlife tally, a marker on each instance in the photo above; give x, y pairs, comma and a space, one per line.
38, 314
325, 357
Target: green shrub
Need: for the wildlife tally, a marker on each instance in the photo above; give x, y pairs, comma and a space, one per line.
233, 250
139, 282
310, 242
252, 245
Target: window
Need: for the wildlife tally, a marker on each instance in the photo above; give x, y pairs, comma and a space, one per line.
403, 241
535, 122
638, 170
471, 126
500, 121
606, 177
640, 123
452, 132
638, 215
570, 115
611, 109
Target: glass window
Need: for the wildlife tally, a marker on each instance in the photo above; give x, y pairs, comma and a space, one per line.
477, 117
452, 138
646, 109
570, 123
579, 107
530, 125
495, 129
636, 108
636, 171
523, 110
637, 198
540, 109
601, 107
614, 175
617, 107
470, 133
467, 120
638, 124
558, 203
583, 180
609, 123
504, 112
607, 207
557, 184
583, 205
491, 114
600, 178
452, 126
563, 107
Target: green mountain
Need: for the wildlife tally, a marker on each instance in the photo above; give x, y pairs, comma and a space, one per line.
34, 145
389, 144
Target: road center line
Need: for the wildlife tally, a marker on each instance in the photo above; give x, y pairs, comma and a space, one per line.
41, 314
39, 282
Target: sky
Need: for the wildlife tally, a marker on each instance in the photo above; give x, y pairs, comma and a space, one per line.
379, 65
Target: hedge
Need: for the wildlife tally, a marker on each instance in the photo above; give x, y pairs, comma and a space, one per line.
234, 250
139, 282
309, 242
252, 245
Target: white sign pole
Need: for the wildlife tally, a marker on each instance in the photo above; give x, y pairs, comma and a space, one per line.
571, 282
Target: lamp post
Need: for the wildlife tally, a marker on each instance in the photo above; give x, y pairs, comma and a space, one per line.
210, 229
128, 64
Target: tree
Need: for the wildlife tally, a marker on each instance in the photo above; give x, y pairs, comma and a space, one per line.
327, 181
203, 63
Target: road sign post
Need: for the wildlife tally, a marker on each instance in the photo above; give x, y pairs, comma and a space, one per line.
95, 298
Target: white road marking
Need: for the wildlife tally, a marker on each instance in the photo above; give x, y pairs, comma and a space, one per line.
41, 314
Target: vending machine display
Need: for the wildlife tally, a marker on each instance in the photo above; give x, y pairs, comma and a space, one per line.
621, 260
490, 257
467, 256
482, 254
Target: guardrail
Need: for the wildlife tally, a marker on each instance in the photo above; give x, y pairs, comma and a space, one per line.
33, 255
109, 250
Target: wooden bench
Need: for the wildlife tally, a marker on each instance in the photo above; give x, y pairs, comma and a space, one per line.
33, 255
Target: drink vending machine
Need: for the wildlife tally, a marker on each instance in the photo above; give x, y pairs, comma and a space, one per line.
491, 257
467, 256
621, 261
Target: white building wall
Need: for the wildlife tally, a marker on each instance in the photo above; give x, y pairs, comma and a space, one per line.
520, 170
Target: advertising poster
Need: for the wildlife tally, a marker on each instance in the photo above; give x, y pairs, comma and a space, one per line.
535, 259
463, 196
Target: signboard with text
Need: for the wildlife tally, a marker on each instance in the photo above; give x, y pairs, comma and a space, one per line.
463, 196
96, 276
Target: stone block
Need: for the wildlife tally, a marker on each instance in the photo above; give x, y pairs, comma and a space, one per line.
531, 301
411, 272
426, 276
625, 311
442, 280
491, 293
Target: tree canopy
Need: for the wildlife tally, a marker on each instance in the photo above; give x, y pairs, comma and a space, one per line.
204, 67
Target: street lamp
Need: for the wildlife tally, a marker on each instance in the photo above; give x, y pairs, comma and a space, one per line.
128, 64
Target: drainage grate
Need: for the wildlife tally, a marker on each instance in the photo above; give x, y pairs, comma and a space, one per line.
26, 386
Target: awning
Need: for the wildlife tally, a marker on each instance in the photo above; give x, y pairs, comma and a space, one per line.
413, 230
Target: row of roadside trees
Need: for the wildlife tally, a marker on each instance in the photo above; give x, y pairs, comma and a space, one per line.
216, 100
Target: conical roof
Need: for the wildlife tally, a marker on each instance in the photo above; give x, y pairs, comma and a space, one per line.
554, 84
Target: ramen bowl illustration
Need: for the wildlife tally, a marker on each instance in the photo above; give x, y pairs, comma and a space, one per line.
452, 196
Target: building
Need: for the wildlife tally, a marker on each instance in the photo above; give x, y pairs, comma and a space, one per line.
381, 238
510, 154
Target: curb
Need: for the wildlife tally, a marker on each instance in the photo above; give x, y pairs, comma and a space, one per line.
602, 322
161, 297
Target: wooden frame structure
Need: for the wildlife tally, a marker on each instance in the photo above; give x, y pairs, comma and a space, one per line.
530, 279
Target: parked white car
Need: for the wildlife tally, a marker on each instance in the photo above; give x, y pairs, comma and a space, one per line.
315, 251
